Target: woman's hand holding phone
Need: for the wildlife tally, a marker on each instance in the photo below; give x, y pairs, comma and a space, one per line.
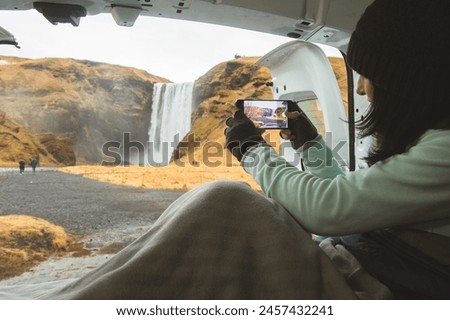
301, 129
241, 134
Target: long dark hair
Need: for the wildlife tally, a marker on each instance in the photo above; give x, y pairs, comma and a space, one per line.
396, 123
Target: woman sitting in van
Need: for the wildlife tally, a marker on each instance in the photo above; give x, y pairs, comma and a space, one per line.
388, 224
394, 217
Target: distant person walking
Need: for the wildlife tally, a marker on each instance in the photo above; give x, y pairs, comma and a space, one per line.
21, 166
33, 164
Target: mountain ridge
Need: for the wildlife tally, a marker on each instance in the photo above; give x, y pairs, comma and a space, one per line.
86, 102
69, 108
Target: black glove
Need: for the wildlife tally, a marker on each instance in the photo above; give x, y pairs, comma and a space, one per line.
301, 129
241, 134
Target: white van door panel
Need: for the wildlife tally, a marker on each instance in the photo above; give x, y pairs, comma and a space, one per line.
301, 70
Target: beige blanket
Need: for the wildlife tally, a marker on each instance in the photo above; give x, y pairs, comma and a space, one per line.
219, 241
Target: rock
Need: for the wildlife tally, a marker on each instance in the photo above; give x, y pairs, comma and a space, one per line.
19, 143
214, 97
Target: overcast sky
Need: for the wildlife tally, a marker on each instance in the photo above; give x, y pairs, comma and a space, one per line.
180, 51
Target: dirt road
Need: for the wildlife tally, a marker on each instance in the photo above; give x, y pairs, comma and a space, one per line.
101, 213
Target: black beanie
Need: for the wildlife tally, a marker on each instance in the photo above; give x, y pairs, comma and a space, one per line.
401, 46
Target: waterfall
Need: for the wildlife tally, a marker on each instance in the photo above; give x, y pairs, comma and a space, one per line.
170, 119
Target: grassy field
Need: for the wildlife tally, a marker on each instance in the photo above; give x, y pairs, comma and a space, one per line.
171, 177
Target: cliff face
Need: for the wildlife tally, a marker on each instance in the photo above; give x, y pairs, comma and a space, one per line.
214, 96
16, 142
83, 103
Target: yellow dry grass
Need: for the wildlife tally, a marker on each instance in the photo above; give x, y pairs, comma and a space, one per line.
171, 177
25, 241
204, 164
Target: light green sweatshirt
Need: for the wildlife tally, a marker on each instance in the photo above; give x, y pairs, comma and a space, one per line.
410, 189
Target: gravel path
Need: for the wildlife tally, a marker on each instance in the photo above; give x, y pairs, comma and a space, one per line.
102, 214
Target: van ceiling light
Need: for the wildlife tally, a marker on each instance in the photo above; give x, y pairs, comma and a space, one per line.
61, 13
125, 16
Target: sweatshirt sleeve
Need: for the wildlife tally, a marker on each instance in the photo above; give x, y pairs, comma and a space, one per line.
405, 189
319, 160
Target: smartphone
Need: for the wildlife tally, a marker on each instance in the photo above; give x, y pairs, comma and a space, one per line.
265, 114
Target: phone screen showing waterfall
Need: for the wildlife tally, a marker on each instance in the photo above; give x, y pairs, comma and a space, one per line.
265, 114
